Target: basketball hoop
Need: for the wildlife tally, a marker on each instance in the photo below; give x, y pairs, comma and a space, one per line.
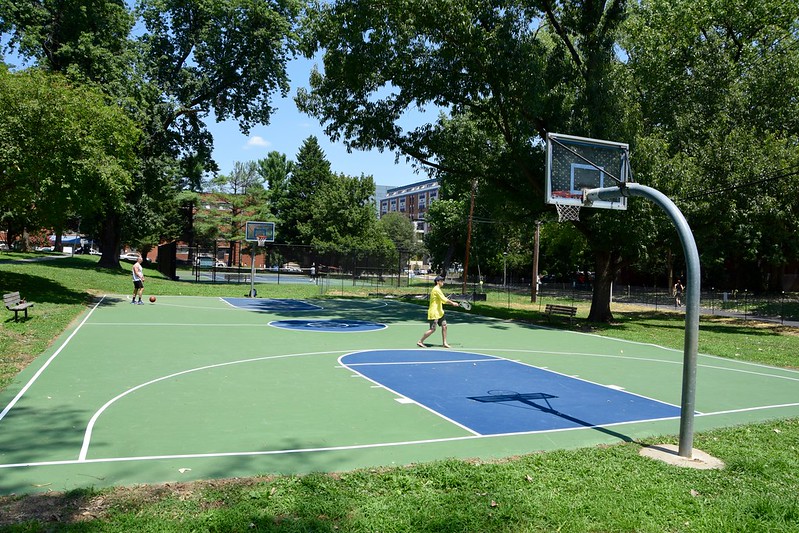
261, 240
568, 212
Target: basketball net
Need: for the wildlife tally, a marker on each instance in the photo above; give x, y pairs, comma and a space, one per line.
568, 212
261, 241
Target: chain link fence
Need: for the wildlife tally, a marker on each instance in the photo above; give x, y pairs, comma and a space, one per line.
341, 272
781, 307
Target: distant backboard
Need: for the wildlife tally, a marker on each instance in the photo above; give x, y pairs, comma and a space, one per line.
577, 163
264, 230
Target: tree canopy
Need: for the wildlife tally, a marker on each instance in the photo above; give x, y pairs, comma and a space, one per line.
719, 130
703, 91
186, 60
329, 211
505, 73
666, 77
64, 152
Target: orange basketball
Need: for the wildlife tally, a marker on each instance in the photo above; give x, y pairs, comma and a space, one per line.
152, 299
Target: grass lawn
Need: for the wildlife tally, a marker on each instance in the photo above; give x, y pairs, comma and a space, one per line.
594, 489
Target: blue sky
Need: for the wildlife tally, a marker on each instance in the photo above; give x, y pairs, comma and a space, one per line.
288, 130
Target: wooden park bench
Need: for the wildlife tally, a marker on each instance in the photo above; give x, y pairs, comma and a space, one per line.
13, 302
565, 310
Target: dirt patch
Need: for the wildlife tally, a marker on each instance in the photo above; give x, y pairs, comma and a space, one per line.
80, 506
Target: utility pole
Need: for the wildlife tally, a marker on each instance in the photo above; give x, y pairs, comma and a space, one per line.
468, 238
534, 290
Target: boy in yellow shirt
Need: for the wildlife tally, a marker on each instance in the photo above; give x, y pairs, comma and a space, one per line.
435, 313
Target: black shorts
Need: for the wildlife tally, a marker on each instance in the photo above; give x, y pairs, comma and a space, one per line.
440, 321
138, 284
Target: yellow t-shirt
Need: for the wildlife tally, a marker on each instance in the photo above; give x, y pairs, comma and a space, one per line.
436, 308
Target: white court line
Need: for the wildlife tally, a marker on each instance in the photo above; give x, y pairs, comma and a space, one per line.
493, 358
383, 386
47, 363
177, 324
389, 363
492, 349
670, 362
360, 446
87, 436
490, 358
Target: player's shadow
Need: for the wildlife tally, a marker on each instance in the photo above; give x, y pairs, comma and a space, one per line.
527, 399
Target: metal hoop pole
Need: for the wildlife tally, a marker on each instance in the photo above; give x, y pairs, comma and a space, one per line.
693, 271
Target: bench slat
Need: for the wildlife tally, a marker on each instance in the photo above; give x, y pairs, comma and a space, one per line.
566, 310
11, 298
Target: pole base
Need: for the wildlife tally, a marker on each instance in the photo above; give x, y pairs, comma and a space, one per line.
669, 453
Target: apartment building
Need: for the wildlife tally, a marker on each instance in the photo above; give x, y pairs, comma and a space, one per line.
412, 200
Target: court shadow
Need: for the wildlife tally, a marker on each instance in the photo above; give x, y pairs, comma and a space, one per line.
108, 301
38, 289
28, 430
527, 398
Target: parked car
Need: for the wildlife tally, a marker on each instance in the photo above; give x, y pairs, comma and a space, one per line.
129, 256
205, 261
292, 268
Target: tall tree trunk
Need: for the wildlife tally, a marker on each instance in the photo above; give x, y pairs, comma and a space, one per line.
58, 245
111, 238
14, 231
603, 284
25, 241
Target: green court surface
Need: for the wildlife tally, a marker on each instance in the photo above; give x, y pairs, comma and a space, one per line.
196, 388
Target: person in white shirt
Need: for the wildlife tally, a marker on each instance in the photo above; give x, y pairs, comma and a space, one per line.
138, 281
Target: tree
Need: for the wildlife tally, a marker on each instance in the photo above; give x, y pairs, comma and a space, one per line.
275, 171
447, 233
246, 199
86, 41
64, 152
192, 58
402, 232
343, 214
506, 73
228, 57
310, 176
720, 128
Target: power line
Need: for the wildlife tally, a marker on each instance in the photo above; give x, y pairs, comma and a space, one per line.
793, 171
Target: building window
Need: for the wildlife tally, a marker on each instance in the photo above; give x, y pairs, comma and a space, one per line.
402, 204
383, 207
393, 205
422, 200
433, 196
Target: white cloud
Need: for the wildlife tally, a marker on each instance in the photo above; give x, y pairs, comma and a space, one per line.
256, 141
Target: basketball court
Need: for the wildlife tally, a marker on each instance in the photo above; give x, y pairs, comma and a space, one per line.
195, 388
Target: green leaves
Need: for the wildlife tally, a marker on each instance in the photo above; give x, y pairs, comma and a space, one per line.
720, 131
327, 210
64, 150
229, 55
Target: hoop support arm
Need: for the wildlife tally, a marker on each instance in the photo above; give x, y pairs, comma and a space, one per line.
607, 194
